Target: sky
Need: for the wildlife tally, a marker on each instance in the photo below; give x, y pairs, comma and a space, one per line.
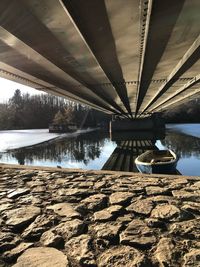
7, 89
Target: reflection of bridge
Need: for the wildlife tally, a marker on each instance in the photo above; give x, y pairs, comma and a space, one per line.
119, 56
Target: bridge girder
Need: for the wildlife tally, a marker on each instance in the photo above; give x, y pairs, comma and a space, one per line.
118, 56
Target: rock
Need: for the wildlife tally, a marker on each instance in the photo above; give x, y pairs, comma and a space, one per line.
86, 184
14, 253
109, 230
78, 192
191, 207
43, 257
156, 190
137, 234
30, 200
166, 212
6, 206
22, 216
50, 239
120, 198
165, 252
185, 195
99, 185
143, 206
39, 189
107, 214
156, 223
70, 229
197, 184
18, 192
64, 210
163, 199
41, 224
8, 241
192, 258
122, 256
187, 229
94, 202
79, 249
36, 183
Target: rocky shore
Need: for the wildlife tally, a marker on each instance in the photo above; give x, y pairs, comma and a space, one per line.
62, 217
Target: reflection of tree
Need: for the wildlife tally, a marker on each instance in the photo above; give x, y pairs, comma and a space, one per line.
184, 145
83, 148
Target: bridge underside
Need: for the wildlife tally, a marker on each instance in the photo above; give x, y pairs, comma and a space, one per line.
118, 56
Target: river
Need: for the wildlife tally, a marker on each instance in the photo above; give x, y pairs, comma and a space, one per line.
92, 149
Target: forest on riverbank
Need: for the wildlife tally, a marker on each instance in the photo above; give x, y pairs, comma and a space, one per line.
23, 111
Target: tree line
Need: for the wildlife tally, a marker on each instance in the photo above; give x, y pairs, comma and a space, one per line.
25, 111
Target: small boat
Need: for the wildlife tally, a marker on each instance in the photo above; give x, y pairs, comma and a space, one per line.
157, 161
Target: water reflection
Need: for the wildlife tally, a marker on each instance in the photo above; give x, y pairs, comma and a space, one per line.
81, 148
95, 150
129, 146
184, 145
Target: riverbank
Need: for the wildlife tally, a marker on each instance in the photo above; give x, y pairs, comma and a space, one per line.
76, 218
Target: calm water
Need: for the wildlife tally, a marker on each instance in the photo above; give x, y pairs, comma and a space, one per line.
93, 149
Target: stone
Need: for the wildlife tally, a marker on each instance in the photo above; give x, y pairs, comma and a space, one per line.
119, 198
165, 212
50, 239
38, 189
156, 223
22, 216
191, 207
156, 190
109, 230
138, 234
107, 214
78, 192
41, 224
8, 241
143, 206
165, 252
15, 252
115, 209
99, 185
43, 257
197, 184
64, 210
32, 184
187, 229
122, 256
185, 195
6, 206
70, 229
163, 199
18, 192
103, 216
95, 202
79, 249
192, 258
85, 184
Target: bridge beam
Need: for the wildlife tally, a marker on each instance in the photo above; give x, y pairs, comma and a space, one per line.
189, 59
186, 86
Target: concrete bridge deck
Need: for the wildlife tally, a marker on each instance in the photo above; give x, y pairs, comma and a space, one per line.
64, 217
118, 56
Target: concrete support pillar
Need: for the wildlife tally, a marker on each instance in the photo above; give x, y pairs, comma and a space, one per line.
153, 122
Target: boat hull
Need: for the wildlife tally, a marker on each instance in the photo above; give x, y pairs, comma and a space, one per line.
162, 169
